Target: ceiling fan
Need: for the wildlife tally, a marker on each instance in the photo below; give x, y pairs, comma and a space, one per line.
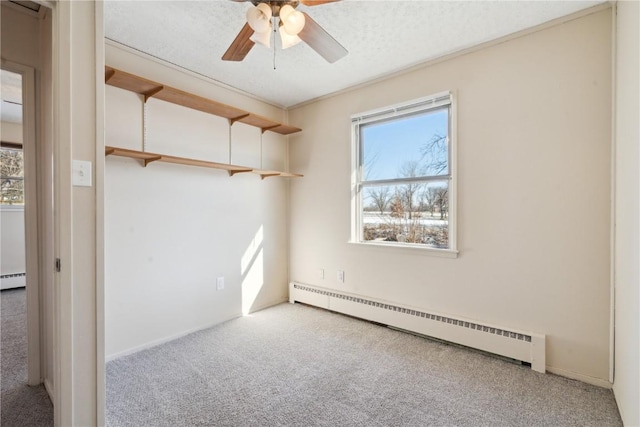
294, 26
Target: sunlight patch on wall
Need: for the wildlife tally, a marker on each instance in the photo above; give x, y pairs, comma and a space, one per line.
252, 271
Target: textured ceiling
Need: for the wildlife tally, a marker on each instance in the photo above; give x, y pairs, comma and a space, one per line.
381, 36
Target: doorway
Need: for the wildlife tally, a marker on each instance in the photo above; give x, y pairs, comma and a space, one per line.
19, 199
19, 276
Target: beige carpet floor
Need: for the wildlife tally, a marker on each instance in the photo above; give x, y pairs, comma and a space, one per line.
21, 405
293, 365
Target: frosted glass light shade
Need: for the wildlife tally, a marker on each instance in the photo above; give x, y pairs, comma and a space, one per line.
259, 18
285, 11
263, 38
288, 40
293, 22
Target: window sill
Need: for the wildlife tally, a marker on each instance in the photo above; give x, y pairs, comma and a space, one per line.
442, 253
12, 207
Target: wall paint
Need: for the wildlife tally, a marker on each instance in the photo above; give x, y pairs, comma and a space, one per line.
171, 230
533, 195
11, 132
627, 237
20, 36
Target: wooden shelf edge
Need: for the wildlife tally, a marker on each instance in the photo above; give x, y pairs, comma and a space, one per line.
268, 174
149, 89
147, 158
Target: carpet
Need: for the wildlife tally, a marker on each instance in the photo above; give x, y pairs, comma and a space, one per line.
21, 404
298, 365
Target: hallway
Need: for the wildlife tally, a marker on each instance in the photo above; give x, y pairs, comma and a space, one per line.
22, 405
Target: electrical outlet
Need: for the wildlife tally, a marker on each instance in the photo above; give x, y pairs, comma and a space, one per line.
340, 276
321, 273
220, 283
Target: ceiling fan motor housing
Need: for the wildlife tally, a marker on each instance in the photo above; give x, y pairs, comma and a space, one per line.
276, 5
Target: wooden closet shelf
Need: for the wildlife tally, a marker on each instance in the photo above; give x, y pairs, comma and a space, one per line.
231, 169
151, 89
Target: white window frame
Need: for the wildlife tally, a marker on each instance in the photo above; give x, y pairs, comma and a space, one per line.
424, 104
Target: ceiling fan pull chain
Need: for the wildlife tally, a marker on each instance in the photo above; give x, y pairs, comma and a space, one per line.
274, 42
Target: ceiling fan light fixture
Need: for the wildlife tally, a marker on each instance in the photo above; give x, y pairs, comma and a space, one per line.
292, 20
259, 18
287, 39
285, 11
263, 38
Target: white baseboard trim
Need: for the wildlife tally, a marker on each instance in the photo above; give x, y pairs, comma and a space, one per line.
580, 377
270, 304
164, 340
49, 388
13, 282
154, 343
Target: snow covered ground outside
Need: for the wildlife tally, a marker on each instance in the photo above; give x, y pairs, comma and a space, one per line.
376, 218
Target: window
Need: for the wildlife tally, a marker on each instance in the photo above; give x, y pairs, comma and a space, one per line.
11, 176
403, 180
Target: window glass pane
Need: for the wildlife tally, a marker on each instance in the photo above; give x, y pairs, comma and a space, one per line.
407, 213
414, 145
11, 177
11, 163
11, 191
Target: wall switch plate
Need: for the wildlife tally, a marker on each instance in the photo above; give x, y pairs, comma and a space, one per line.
220, 283
81, 173
340, 276
321, 273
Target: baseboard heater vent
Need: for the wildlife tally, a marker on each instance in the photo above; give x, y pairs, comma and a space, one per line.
525, 346
12, 280
10, 276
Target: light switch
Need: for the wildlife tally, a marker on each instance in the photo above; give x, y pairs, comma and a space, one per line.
81, 173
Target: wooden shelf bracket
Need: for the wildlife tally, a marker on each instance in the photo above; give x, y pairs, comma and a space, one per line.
235, 119
148, 94
264, 129
151, 159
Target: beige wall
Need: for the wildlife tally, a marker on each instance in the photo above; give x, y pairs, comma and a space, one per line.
171, 230
627, 250
11, 132
533, 197
20, 36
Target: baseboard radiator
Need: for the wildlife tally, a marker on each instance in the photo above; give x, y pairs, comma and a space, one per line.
524, 346
13, 280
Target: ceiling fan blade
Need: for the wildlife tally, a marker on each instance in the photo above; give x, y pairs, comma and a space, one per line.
240, 46
321, 41
314, 2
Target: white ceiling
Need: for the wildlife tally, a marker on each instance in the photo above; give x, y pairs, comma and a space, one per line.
382, 37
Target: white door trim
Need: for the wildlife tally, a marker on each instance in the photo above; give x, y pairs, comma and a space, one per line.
34, 376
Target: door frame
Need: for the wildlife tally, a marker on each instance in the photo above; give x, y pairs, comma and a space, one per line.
31, 209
